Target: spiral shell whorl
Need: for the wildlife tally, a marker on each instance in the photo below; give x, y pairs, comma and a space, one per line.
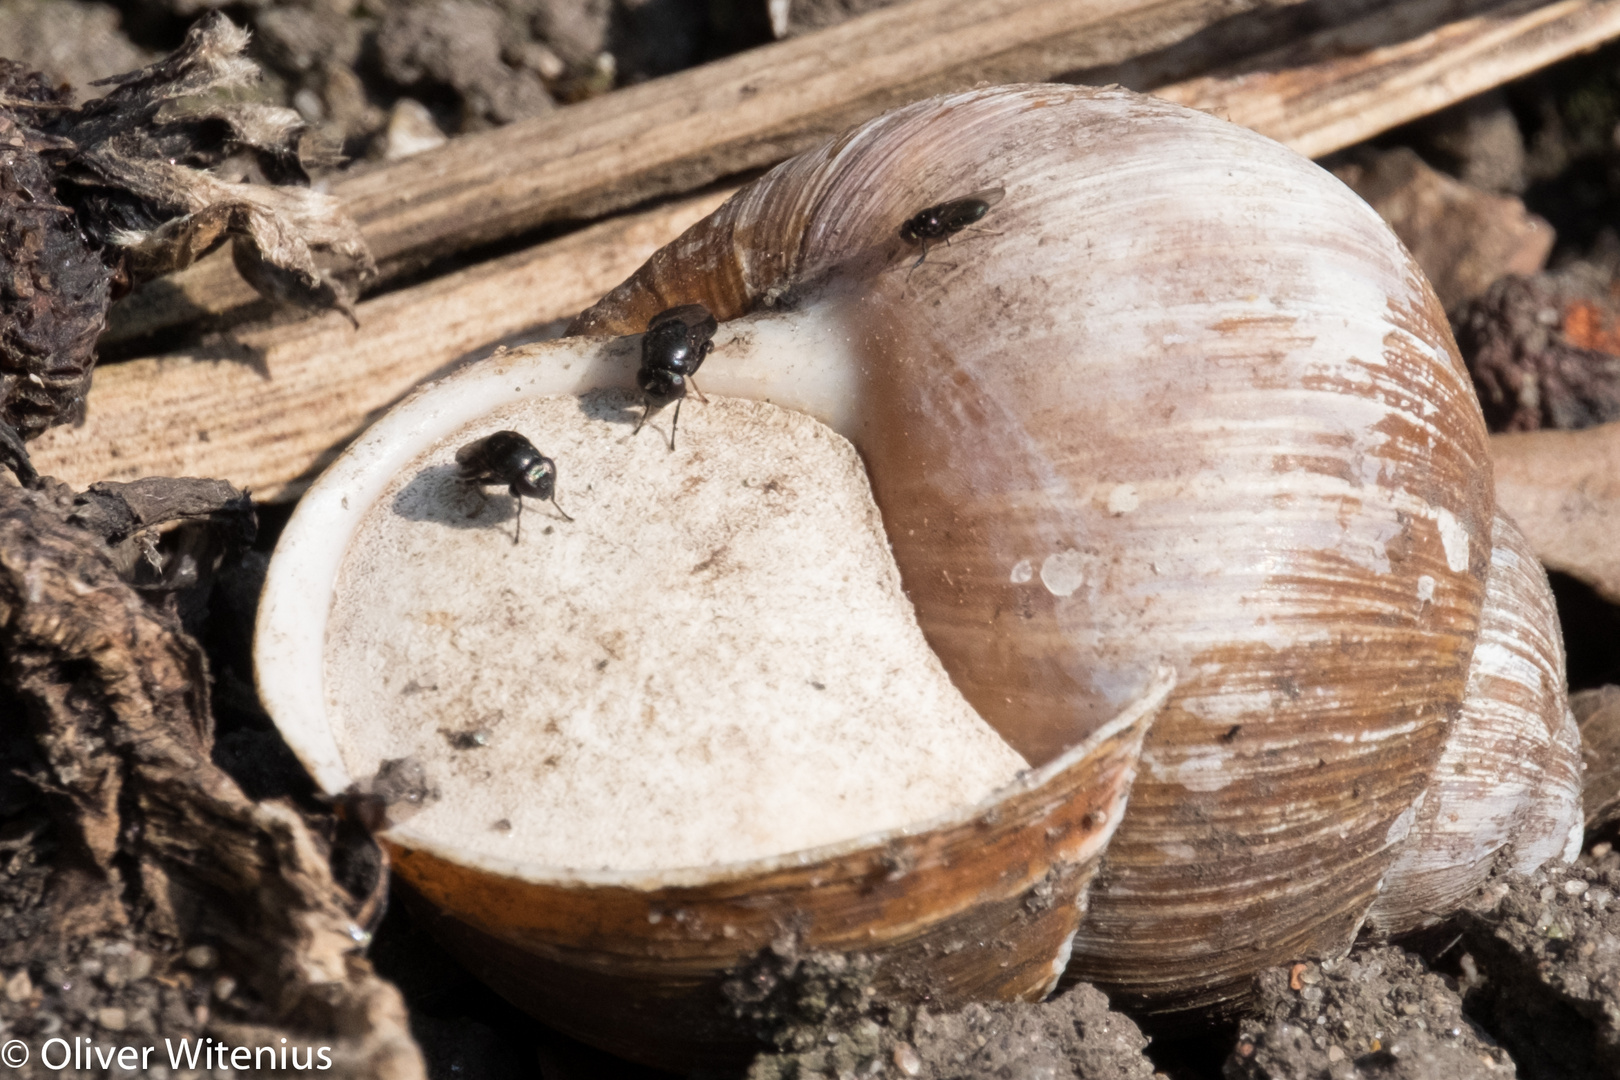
1510, 771
1180, 397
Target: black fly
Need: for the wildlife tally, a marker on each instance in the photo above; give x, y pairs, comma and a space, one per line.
940, 221
672, 350
508, 458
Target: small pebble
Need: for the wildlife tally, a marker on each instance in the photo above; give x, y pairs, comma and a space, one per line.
1335, 1054
906, 1060
201, 957
1574, 886
112, 1018
224, 987
411, 130
19, 986
309, 105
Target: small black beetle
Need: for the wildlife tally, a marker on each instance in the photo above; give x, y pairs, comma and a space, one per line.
672, 350
508, 458
938, 222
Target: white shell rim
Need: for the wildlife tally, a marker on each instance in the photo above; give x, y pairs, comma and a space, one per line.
290, 636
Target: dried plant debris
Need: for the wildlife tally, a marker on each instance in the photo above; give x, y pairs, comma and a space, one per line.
1541, 965
135, 184
147, 176
146, 898
1377, 1013
54, 285
1544, 350
168, 535
824, 1018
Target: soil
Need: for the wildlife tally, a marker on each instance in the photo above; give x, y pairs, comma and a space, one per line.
1070, 1037
1525, 981
350, 68
1378, 1012
1540, 962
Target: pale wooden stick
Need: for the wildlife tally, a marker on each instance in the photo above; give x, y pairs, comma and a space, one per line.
1332, 90
270, 408
326, 380
675, 134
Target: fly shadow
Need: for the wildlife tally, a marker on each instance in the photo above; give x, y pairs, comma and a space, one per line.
612, 405
438, 495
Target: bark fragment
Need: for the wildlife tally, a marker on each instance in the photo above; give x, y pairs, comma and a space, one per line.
54, 286
105, 701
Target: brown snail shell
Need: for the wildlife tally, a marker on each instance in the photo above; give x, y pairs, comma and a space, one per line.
1181, 398
981, 901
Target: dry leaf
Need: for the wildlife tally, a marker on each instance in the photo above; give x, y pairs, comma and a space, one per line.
138, 183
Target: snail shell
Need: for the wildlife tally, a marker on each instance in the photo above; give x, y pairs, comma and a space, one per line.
1510, 772
1180, 397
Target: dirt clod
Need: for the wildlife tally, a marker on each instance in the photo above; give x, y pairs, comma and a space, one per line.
1379, 1012
457, 44
826, 1019
1544, 350
1543, 951
1463, 238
